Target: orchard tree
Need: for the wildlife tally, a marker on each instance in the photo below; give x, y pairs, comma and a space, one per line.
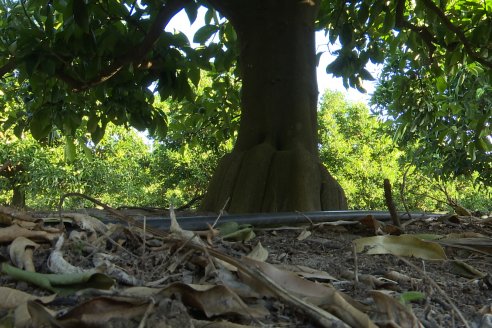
80, 63
357, 149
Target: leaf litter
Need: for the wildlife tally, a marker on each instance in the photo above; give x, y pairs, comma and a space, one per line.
88, 274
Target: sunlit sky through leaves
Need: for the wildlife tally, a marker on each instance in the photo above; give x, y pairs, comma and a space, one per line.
325, 81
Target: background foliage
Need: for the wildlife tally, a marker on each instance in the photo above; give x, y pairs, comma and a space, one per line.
126, 169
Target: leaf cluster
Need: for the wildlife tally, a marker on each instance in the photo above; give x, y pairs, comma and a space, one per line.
71, 65
442, 34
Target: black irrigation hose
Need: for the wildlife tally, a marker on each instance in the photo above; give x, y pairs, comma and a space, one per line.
269, 219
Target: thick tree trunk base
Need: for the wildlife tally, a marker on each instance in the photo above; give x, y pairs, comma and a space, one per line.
264, 179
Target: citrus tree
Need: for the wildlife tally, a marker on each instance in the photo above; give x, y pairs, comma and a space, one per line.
77, 63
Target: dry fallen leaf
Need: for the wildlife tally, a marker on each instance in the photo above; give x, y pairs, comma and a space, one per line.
21, 253
391, 313
9, 233
8, 215
304, 235
404, 245
93, 313
16, 299
481, 245
56, 262
213, 300
311, 292
12, 298
258, 253
308, 273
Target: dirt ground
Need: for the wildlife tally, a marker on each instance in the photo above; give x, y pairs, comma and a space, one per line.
440, 293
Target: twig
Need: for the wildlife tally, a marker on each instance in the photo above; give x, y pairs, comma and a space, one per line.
189, 203
356, 263
222, 210
119, 216
144, 237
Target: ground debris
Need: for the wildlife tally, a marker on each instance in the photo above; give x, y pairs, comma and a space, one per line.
276, 279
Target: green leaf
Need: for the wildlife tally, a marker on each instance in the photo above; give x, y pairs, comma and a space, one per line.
389, 22
365, 75
194, 75
441, 84
98, 133
81, 14
70, 151
479, 93
363, 13
411, 296
346, 34
204, 33
63, 284
92, 123
40, 125
191, 10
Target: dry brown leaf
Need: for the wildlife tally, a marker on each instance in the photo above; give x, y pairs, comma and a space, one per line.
391, 313
8, 215
463, 269
378, 227
16, 299
487, 309
35, 315
307, 272
314, 293
402, 278
8, 234
304, 235
84, 221
12, 298
404, 245
217, 324
372, 224
98, 311
258, 253
213, 300
465, 234
481, 245
21, 253
103, 262
56, 262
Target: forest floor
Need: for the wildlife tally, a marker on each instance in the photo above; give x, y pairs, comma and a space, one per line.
434, 272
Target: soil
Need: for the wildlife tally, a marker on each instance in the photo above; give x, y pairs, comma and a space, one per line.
445, 294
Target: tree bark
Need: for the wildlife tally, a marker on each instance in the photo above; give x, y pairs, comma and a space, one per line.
275, 164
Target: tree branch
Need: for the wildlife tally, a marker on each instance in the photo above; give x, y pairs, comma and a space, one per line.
7, 67
165, 14
459, 33
429, 38
424, 33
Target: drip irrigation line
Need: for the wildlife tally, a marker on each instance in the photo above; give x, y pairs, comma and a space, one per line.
268, 219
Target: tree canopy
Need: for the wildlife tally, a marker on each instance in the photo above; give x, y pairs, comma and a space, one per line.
81, 64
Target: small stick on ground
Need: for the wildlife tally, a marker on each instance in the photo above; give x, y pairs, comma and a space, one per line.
356, 263
389, 202
220, 213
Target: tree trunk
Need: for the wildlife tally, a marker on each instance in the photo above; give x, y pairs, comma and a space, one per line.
19, 197
275, 164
